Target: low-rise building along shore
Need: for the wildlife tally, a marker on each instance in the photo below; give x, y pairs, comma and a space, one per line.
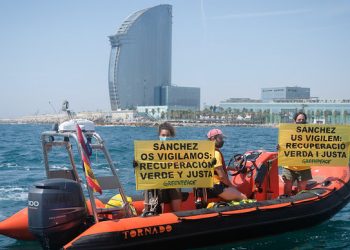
282, 111
240, 113
130, 118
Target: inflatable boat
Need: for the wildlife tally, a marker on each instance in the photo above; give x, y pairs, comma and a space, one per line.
59, 216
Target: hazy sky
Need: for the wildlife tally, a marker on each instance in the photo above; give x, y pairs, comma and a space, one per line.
56, 50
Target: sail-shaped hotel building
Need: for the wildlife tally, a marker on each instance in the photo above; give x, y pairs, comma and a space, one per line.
140, 60
140, 57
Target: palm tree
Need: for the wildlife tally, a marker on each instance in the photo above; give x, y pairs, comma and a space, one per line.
259, 116
336, 114
346, 113
327, 115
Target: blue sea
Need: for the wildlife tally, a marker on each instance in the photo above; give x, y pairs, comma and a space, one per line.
21, 165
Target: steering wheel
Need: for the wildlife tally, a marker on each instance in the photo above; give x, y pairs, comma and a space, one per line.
239, 162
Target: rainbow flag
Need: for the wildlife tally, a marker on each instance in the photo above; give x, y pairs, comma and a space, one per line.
85, 152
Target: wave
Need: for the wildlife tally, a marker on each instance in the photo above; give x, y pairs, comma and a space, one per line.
8, 165
11, 166
59, 167
13, 193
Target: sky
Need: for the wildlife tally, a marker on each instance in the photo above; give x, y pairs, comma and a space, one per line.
51, 51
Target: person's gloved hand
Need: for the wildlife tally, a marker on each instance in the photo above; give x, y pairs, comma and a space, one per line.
135, 164
213, 161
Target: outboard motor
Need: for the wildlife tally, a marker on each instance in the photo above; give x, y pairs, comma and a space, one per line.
56, 211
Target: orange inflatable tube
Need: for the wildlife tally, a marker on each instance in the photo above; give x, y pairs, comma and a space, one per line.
128, 225
16, 226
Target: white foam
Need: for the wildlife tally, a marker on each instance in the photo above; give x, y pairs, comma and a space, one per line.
13, 193
8, 165
58, 167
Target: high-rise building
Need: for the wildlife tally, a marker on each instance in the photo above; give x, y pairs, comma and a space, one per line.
175, 96
285, 93
140, 58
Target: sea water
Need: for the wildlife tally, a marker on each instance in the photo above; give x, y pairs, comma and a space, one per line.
21, 165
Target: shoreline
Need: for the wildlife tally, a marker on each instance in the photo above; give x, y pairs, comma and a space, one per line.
144, 123
100, 119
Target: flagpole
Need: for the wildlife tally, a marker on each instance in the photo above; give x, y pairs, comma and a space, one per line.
92, 200
90, 190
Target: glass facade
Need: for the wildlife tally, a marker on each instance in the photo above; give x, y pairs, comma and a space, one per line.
140, 58
318, 111
268, 94
175, 96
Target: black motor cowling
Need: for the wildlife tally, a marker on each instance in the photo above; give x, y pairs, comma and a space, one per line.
56, 211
